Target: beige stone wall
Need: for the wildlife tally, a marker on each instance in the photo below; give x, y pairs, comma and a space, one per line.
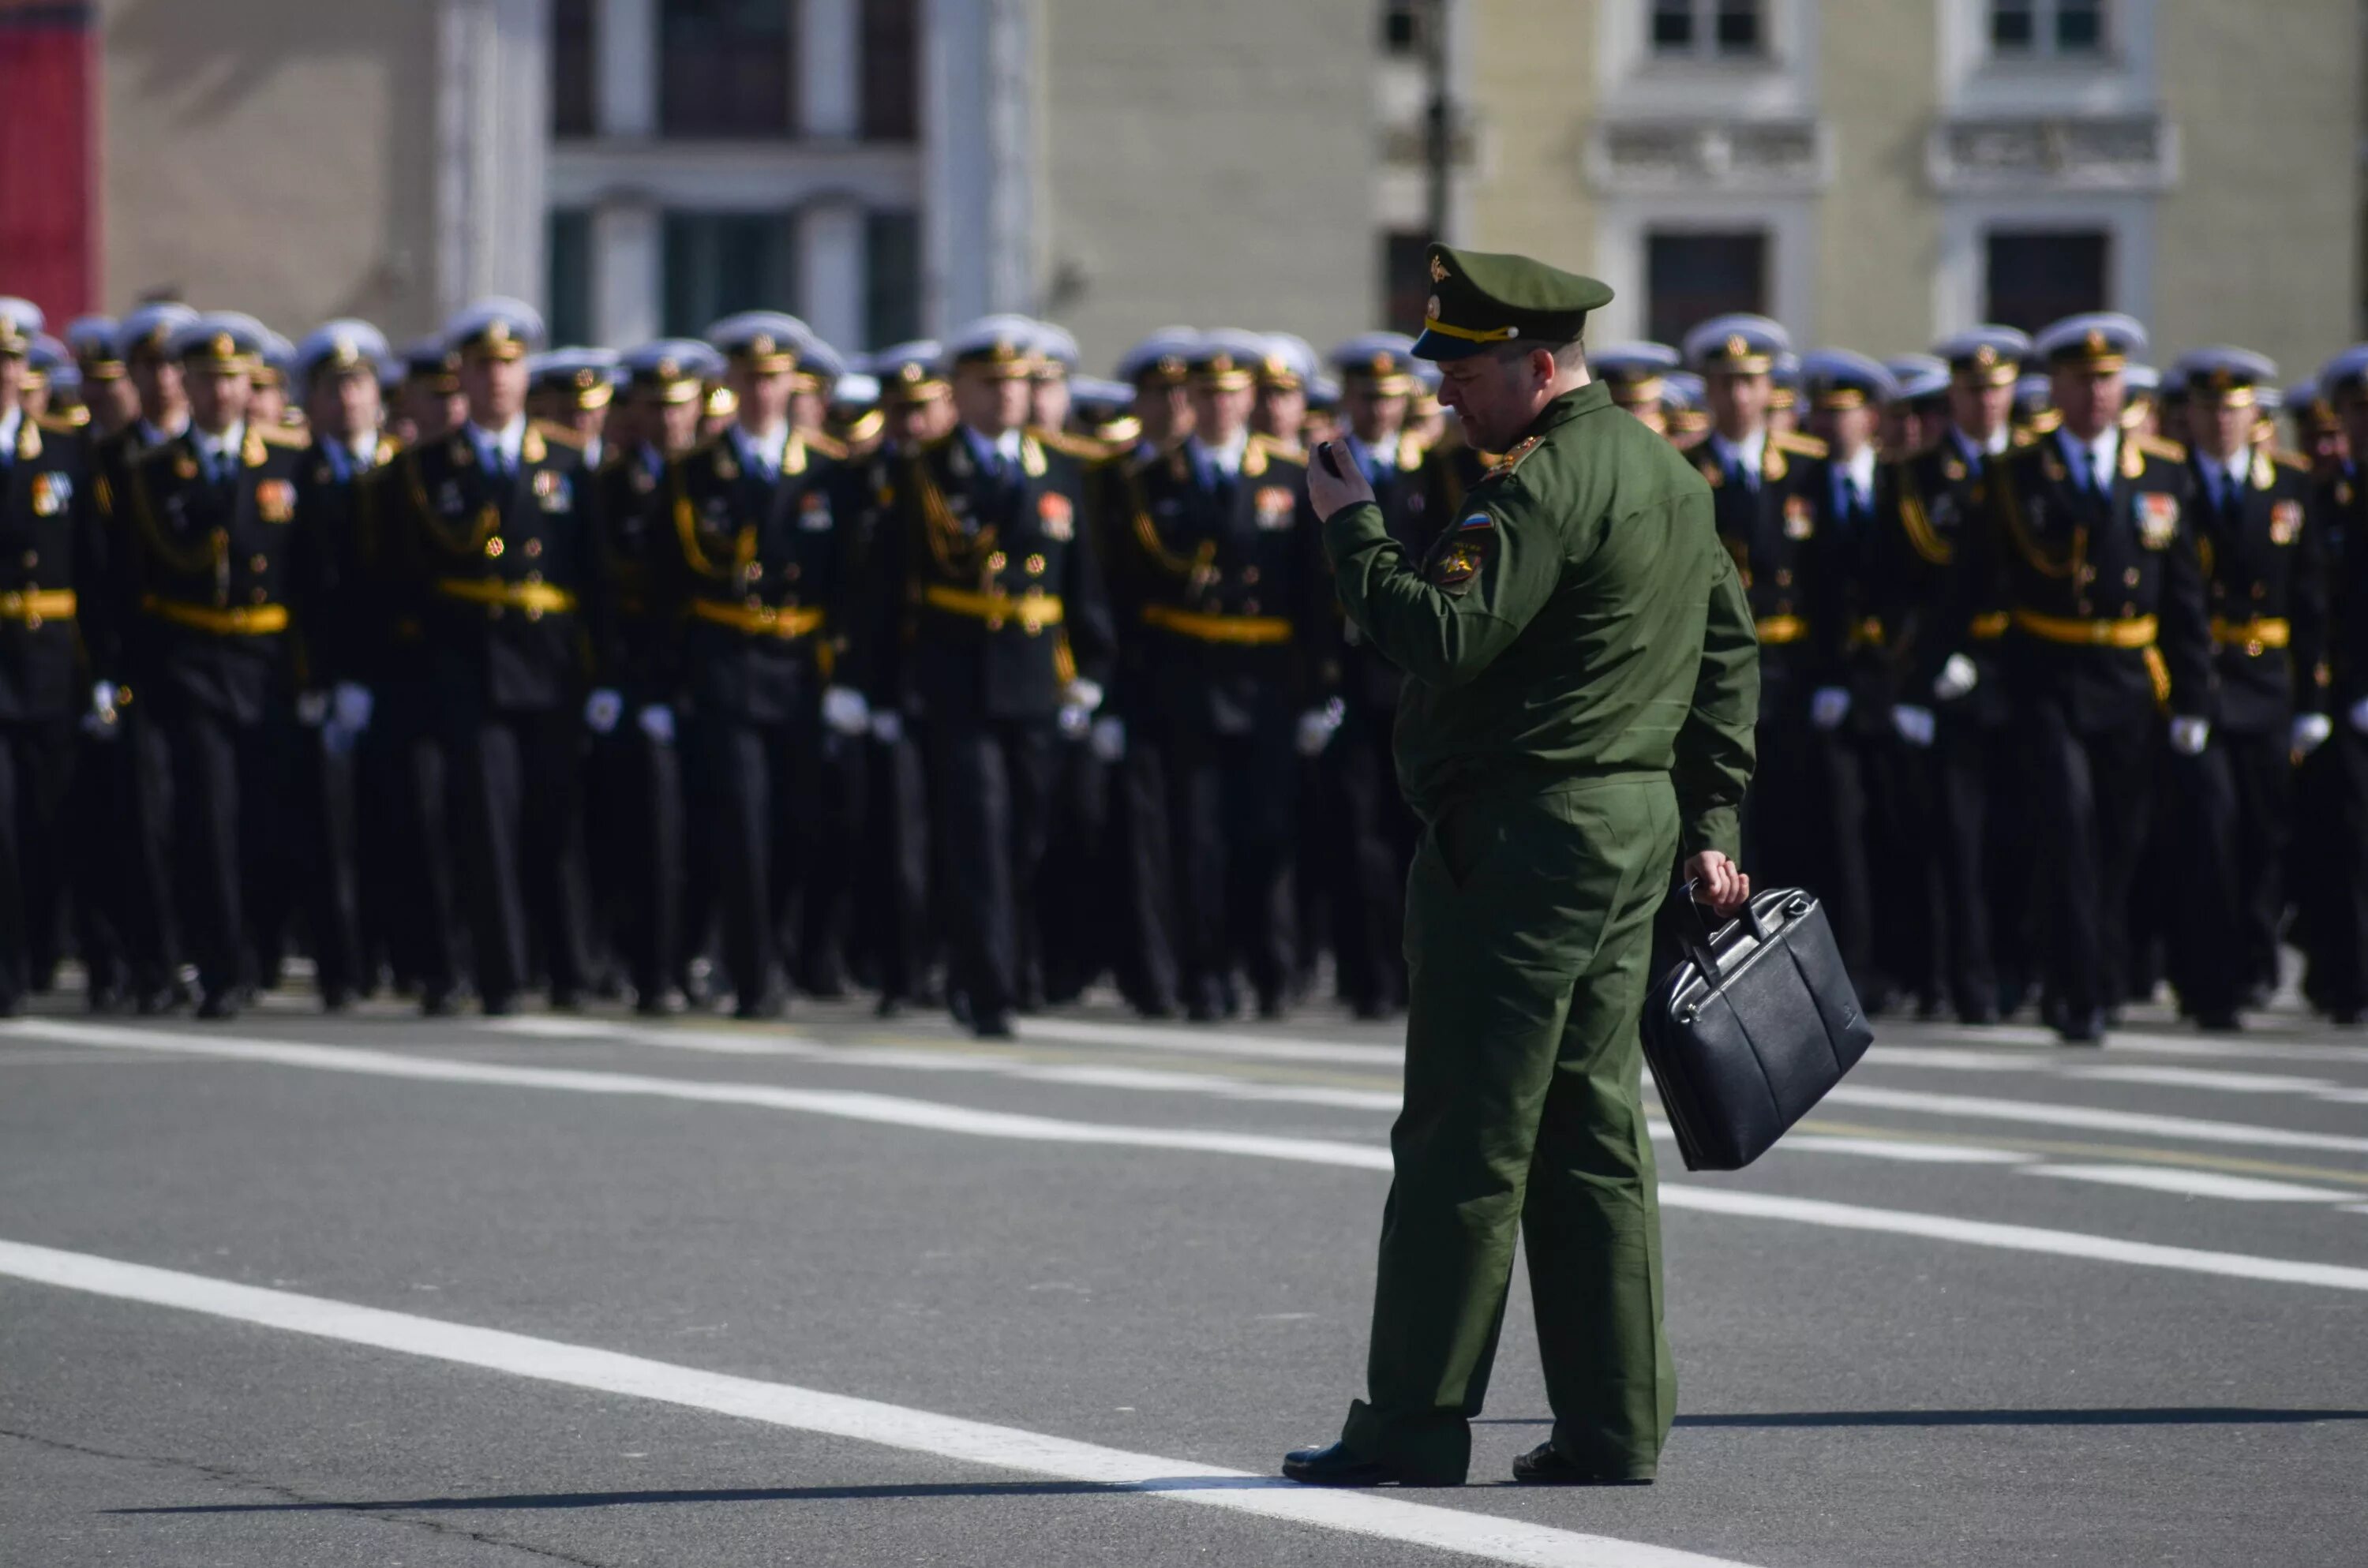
2260, 244
275, 157
1210, 163
1878, 223
1532, 84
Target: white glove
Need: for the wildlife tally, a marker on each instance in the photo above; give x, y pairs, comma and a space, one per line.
2190, 735
2359, 715
1109, 739
1828, 706
352, 703
844, 709
1082, 694
1316, 726
1957, 678
1914, 724
99, 722
2310, 733
657, 722
887, 726
312, 707
1075, 722
603, 710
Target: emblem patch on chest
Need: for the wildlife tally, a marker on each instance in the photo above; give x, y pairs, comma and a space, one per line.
51, 492
1800, 517
2158, 519
552, 491
813, 511
275, 500
2285, 522
1273, 505
1056, 515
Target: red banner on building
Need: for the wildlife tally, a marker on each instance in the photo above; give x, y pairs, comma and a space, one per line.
49, 154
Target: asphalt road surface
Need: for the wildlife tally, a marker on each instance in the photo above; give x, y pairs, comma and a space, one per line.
582, 1290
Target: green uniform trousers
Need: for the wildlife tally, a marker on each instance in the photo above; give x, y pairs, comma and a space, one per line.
1528, 933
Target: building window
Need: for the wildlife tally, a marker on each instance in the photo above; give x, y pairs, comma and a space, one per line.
1406, 27
892, 89
2033, 278
1406, 278
569, 287
1708, 30
574, 71
725, 68
717, 263
2029, 30
892, 290
1689, 277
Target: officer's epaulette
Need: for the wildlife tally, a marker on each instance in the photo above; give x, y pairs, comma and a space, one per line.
1503, 467
1090, 449
2022, 436
388, 449
1121, 434
551, 430
864, 427
1275, 447
2286, 458
1797, 444
829, 446
2156, 447
283, 436
58, 425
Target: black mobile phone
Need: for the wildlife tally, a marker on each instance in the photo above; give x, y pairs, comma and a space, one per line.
1331, 462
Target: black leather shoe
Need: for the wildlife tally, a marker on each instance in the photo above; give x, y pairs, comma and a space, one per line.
1980, 1015
1546, 1465
2082, 1028
759, 1008
498, 1004
888, 1007
336, 999
660, 1003
1336, 1466
993, 1026
220, 1004
437, 1002
2219, 1020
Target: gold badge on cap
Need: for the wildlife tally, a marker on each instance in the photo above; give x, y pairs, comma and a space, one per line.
1438, 270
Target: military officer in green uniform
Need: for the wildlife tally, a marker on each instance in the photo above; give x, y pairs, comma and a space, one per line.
1576, 721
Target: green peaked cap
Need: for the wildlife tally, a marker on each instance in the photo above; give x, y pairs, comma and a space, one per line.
1479, 298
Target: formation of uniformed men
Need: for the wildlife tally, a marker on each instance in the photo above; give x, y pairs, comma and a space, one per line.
725, 668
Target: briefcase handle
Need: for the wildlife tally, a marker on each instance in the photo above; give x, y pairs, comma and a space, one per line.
1704, 951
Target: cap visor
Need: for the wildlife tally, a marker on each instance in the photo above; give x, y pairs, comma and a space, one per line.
1438, 347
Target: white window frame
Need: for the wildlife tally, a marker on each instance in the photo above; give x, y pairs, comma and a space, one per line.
1966, 223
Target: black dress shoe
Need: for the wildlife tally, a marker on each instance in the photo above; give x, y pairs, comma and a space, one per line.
1546, 1465
1336, 1466
498, 1004
888, 1007
336, 999
660, 1003
220, 1004
1981, 1015
2082, 1026
996, 1025
2219, 1020
756, 1009
437, 1002
568, 999
103, 1000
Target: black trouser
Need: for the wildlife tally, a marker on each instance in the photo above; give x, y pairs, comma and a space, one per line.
2329, 871
638, 876
98, 814
230, 784
152, 892
36, 758
1370, 837
1976, 777
831, 822
1229, 803
1145, 961
990, 784
328, 781
1073, 914
1804, 825
517, 791
1903, 836
407, 762
2234, 809
758, 783
893, 893
2091, 791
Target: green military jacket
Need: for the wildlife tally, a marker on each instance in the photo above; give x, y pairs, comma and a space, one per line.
1576, 618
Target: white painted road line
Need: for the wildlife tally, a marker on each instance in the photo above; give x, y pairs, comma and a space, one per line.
1381, 1516
1272, 1048
2196, 1184
1888, 1148
932, 1116
2205, 1078
2264, 1046
2186, 1128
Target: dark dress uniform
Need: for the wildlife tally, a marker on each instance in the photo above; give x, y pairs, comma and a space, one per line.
638, 775
1970, 841
216, 548
983, 602
1224, 587
1369, 832
49, 560
333, 600
2265, 575
498, 562
2333, 781
2101, 586
749, 569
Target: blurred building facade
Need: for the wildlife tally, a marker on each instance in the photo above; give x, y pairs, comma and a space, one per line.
1873, 171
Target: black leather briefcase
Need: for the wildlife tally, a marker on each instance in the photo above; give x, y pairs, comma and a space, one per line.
1751, 1028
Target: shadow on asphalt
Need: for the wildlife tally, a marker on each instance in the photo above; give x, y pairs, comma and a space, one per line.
2173, 1415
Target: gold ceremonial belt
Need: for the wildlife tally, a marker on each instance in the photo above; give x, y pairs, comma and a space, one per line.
2134, 633
1262, 631
247, 621
35, 606
2250, 635
1988, 628
1779, 629
760, 621
536, 598
1033, 614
